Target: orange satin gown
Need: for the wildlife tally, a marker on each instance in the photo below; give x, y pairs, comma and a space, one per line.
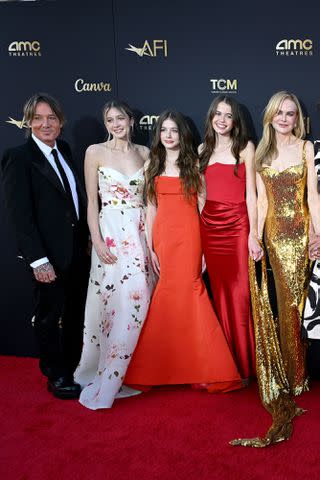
181, 341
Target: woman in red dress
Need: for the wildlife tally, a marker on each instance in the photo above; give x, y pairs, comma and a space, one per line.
229, 225
182, 341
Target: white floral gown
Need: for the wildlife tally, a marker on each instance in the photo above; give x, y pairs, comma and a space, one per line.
118, 294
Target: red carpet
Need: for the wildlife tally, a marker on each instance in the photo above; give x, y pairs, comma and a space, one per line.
167, 433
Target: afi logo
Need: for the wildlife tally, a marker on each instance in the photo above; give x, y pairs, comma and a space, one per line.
17, 123
150, 49
224, 84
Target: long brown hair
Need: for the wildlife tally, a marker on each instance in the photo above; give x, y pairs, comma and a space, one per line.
239, 135
187, 161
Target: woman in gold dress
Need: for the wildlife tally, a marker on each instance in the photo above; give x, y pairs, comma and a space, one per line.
287, 197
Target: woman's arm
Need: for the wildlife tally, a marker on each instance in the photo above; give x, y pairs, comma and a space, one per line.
312, 185
202, 194
313, 204
255, 250
150, 216
262, 205
151, 212
90, 174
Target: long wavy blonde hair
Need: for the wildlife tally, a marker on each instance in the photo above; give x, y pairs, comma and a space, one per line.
267, 147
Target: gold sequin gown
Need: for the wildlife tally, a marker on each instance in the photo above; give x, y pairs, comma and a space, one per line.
280, 351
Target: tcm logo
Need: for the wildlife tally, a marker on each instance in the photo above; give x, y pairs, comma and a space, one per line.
224, 85
81, 85
17, 123
24, 49
150, 49
147, 122
294, 47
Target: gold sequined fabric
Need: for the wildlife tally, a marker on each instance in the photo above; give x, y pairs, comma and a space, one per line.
280, 351
286, 240
273, 383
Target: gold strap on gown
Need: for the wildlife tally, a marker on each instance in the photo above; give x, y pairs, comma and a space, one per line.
272, 380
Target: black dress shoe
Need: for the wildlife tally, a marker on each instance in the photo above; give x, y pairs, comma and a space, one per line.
64, 388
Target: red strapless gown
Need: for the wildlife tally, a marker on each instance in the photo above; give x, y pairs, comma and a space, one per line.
182, 341
224, 233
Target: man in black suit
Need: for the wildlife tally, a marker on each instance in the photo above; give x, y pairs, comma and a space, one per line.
46, 204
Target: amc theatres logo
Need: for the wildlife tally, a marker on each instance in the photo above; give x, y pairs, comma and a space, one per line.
224, 85
24, 49
151, 48
295, 47
147, 122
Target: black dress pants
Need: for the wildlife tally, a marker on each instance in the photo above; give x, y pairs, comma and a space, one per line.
313, 359
59, 317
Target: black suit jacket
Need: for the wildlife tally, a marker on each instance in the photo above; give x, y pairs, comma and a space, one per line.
38, 206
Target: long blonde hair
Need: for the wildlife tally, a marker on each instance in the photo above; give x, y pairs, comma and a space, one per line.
267, 147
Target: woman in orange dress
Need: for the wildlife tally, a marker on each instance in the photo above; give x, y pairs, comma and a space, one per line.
182, 341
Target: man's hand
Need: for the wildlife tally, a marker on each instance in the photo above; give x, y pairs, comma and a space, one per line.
45, 273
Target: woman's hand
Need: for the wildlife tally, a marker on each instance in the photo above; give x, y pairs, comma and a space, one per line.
203, 264
155, 262
314, 246
255, 249
104, 253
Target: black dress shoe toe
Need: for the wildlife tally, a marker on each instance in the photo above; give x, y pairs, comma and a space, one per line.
64, 388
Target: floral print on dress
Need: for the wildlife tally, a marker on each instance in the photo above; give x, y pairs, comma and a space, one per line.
118, 294
110, 242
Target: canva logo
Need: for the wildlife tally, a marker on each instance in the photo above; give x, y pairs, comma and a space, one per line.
295, 47
81, 86
224, 85
151, 48
147, 122
17, 123
24, 49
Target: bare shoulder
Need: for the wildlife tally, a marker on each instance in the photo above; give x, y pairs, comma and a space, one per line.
249, 148
96, 148
95, 154
247, 154
143, 151
200, 148
309, 148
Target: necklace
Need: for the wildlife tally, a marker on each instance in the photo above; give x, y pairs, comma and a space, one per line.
117, 149
228, 145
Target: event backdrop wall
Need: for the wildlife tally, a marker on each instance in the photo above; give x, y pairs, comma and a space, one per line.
154, 55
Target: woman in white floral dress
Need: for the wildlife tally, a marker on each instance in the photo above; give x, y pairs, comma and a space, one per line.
121, 282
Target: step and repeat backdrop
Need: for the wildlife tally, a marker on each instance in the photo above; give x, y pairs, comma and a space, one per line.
154, 55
